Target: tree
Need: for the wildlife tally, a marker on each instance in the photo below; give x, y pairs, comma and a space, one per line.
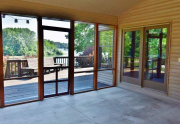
19, 41
50, 49
84, 36
106, 41
22, 41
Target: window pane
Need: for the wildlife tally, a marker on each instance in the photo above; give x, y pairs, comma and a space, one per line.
83, 81
84, 46
56, 23
131, 54
106, 43
155, 55
20, 52
105, 78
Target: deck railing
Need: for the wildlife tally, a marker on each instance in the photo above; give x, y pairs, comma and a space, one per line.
13, 68
79, 61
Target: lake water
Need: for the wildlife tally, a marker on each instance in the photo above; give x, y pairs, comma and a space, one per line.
65, 52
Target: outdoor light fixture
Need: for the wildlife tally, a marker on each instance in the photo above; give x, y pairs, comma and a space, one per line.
16, 21
3, 15
27, 21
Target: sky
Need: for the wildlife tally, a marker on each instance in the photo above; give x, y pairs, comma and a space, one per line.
9, 22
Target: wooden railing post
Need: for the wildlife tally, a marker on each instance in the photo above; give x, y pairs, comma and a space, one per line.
1, 67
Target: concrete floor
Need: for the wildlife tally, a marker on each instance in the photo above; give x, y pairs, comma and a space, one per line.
107, 106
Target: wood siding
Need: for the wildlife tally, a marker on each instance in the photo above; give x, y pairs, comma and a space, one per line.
28, 8
155, 12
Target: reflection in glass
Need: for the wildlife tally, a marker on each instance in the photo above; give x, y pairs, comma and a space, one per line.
131, 54
155, 54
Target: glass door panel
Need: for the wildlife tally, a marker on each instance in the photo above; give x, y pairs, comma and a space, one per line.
131, 57
155, 58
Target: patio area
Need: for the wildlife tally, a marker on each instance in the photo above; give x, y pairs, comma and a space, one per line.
106, 106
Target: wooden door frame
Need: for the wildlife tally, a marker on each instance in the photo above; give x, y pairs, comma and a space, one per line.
58, 29
126, 78
155, 85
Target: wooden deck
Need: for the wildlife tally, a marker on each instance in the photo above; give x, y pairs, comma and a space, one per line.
27, 89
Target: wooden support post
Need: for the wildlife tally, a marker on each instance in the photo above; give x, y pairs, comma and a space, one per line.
1, 67
115, 55
71, 59
96, 46
40, 60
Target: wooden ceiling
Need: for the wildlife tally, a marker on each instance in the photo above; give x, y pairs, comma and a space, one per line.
109, 7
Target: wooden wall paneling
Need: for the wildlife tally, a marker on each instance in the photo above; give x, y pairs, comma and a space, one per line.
40, 60
160, 12
1, 67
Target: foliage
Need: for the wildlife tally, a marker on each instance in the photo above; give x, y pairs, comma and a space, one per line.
106, 42
23, 42
19, 41
61, 45
153, 43
50, 48
128, 43
88, 51
84, 36
84, 39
